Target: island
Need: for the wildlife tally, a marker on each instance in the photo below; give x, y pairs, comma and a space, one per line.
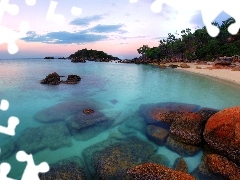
91, 55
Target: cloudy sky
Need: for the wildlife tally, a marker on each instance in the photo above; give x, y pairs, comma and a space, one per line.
116, 27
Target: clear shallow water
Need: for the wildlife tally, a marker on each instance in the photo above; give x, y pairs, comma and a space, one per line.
119, 89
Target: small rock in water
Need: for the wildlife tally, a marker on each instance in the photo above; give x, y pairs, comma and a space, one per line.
113, 101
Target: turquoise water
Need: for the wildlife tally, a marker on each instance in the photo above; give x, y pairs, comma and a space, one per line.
117, 89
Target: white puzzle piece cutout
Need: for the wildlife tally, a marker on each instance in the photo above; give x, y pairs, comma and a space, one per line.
4, 170
209, 10
51, 16
31, 171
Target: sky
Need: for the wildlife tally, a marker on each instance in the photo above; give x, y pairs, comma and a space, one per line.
117, 27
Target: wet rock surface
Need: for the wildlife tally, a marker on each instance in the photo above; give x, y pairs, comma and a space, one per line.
114, 159
157, 134
222, 133
187, 128
61, 111
86, 118
181, 148
157, 171
164, 113
71, 168
221, 165
180, 165
52, 136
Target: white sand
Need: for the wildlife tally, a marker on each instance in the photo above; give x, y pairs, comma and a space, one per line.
223, 74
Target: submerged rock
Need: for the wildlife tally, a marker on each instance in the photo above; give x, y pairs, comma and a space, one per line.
157, 171
187, 128
111, 159
164, 114
7, 150
221, 165
180, 165
71, 168
214, 166
157, 134
181, 148
61, 111
84, 119
222, 133
52, 136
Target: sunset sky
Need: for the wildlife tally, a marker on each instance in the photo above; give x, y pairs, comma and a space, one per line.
116, 27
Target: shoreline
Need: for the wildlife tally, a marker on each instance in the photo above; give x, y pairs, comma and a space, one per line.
226, 75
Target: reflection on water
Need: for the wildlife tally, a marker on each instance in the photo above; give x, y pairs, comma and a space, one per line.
106, 143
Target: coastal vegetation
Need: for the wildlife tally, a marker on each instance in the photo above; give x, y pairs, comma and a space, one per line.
91, 55
195, 45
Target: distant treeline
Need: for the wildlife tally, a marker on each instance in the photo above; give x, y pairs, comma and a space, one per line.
91, 55
198, 45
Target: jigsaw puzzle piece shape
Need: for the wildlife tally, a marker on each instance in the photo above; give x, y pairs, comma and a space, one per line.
133, 1
76, 11
4, 170
51, 16
30, 2
4, 105
231, 7
31, 171
210, 11
12, 9
10, 36
12, 123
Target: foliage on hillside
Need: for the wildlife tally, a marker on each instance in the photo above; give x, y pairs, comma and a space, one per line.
91, 55
197, 45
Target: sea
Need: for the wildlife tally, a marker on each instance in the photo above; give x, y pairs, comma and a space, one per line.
116, 89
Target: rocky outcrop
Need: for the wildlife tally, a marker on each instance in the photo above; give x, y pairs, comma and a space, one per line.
157, 171
222, 133
72, 79
54, 79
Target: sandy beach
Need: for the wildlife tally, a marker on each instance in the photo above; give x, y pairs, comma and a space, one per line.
222, 74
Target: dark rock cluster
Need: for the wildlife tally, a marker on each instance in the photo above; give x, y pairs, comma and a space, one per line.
54, 79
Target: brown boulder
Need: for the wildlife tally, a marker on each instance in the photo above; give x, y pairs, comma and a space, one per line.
221, 165
157, 171
187, 128
184, 65
222, 133
168, 112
